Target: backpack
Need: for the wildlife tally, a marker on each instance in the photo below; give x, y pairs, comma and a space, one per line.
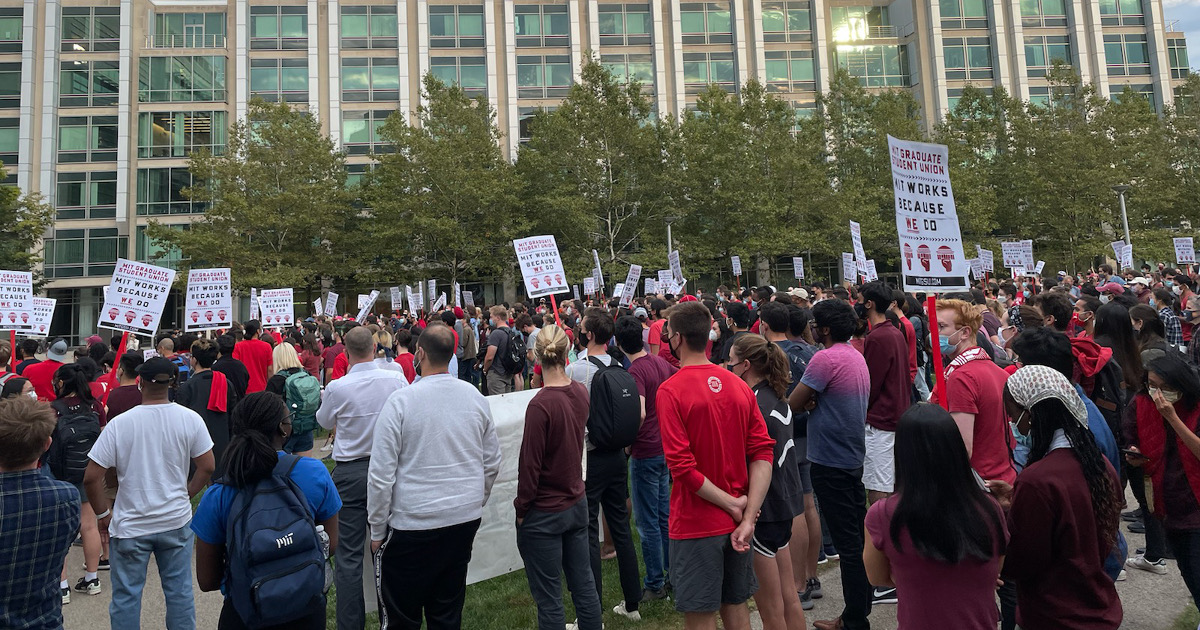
4, 377
74, 437
184, 363
798, 354
615, 413
302, 393
275, 563
512, 358
1109, 395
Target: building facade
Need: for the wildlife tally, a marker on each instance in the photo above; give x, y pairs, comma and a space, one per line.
102, 101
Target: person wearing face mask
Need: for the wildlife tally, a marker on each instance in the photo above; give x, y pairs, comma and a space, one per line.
738, 317
1085, 315
210, 394
126, 395
16, 387
1165, 301
1009, 298
1150, 331
1140, 287
1111, 291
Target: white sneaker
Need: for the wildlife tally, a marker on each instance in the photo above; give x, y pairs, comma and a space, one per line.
1140, 562
574, 625
327, 448
1122, 576
632, 616
66, 597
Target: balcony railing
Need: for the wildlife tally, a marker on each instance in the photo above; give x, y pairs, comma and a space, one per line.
185, 40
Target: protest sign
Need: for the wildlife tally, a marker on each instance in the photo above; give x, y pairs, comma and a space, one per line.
860, 256
849, 271
16, 301
798, 267
665, 278
331, 299
651, 286
1127, 257
597, 272
432, 289
635, 272
1027, 256
575, 290
676, 266
1117, 246
137, 296
589, 285
363, 298
1011, 254
278, 307
397, 298
209, 303
317, 307
468, 298
457, 294
413, 303
1185, 251
976, 268
1041, 264
253, 303
366, 307
618, 290
737, 265
43, 314
871, 274
987, 259
541, 266
440, 303
926, 218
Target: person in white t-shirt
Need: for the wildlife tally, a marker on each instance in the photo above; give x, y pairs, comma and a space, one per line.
151, 447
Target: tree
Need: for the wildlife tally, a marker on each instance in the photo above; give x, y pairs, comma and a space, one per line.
279, 213
443, 197
25, 219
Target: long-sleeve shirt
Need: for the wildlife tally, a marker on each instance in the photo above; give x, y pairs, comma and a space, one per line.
550, 470
1172, 326
352, 404
434, 459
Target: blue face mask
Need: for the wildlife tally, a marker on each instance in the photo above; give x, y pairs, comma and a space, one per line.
947, 347
1026, 294
474, 321
1167, 283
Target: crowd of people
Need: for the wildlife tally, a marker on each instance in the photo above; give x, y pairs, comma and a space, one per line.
748, 435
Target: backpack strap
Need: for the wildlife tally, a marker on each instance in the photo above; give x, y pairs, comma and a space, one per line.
287, 462
598, 363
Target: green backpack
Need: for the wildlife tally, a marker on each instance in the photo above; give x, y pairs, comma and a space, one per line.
302, 393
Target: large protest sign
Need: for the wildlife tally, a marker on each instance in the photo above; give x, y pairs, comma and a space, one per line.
676, 266
136, 297
618, 290
1011, 254
631, 279
1185, 251
651, 286
976, 268
331, 299
16, 301
457, 294
1027, 256
860, 255
317, 306
413, 303
253, 303
798, 267
432, 289
926, 218
589, 285
737, 265
439, 303
597, 272
209, 303
870, 272
43, 314
849, 272
396, 298
664, 277
1117, 247
987, 259
468, 298
541, 266
1127, 257
278, 307
575, 290
1041, 264
365, 308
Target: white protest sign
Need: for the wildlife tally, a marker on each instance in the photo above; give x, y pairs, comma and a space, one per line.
16, 301
926, 218
278, 307
139, 292
651, 286
849, 271
457, 294
597, 272
737, 265
589, 285
541, 266
1127, 257
976, 268
397, 298
676, 266
1041, 264
363, 298
987, 259
1117, 246
798, 267
209, 303
1185, 251
253, 303
1027, 255
860, 255
635, 272
468, 298
575, 290
618, 290
871, 274
1010, 253
665, 278
432, 289
366, 307
331, 299
413, 303
317, 307
440, 303
43, 314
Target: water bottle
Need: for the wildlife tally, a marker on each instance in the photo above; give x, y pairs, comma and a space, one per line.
324, 538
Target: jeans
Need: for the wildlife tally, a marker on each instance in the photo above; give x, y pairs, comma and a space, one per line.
130, 557
844, 504
651, 507
1185, 543
350, 479
552, 544
608, 487
416, 585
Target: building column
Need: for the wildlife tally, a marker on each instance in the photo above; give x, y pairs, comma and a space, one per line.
739, 42
50, 78
126, 212
677, 42
510, 54
334, 46
1160, 62
29, 31
660, 59
318, 92
423, 63
821, 46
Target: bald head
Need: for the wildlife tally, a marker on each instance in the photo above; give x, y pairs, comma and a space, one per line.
360, 345
438, 343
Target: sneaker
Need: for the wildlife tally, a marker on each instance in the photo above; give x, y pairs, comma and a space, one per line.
1132, 516
91, 588
821, 558
1136, 528
806, 600
327, 448
813, 588
1167, 555
66, 596
884, 596
102, 566
649, 595
574, 625
1122, 576
833, 556
632, 616
1140, 562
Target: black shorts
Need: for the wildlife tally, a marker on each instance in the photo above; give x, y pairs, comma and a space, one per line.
771, 536
707, 574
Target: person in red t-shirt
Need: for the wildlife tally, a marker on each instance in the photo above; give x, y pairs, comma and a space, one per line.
256, 355
719, 453
42, 374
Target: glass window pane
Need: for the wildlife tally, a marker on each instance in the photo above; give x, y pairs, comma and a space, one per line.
1059, 52
441, 25
557, 24
974, 8
529, 75
981, 56
1030, 8
104, 193
294, 79
1131, 7
642, 71
1113, 54
75, 27
470, 25
1108, 7
529, 24
718, 22
73, 139
611, 24
356, 131
355, 78
558, 74
264, 79
695, 72
722, 72
802, 70
1053, 7
447, 74
473, 76
10, 29
354, 26
949, 8
773, 20
777, 70
385, 77
383, 26
692, 21
264, 26
293, 26
799, 20
956, 59
637, 23
1136, 53
9, 139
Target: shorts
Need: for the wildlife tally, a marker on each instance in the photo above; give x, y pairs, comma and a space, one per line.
879, 464
707, 574
299, 442
770, 537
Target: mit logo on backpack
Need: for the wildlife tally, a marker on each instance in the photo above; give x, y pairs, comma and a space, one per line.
74, 437
616, 407
302, 393
276, 564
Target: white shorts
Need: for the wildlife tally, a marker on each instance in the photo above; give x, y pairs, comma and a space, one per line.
879, 465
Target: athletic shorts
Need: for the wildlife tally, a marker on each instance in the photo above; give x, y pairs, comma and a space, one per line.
771, 536
879, 465
707, 573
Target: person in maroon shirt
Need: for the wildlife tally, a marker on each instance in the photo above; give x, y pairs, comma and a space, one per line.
256, 355
551, 510
886, 353
126, 395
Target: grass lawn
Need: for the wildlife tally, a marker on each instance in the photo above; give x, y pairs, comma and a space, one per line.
1188, 620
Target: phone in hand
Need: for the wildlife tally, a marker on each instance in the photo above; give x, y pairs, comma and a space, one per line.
1133, 453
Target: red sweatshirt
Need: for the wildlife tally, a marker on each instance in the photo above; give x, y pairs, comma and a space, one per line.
711, 429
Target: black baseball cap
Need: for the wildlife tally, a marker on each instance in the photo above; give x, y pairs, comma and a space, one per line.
158, 370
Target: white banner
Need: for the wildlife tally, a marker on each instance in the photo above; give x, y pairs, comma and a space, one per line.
676, 266
278, 307
541, 266
468, 298
137, 296
1027, 255
366, 307
331, 299
737, 265
1011, 254
575, 290
1117, 247
439, 303
597, 272
363, 298
317, 307
397, 298
618, 290
1127, 257
631, 279
16, 301
209, 303
253, 303
589, 285
860, 255
665, 278
987, 259
457, 294
1185, 251
413, 302
798, 267
926, 218
849, 271
432, 289
43, 314
976, 268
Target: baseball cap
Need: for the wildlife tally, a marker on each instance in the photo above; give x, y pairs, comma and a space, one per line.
1032, 384
93, 339
798, 292
458, 312
640, 313
687, 298
58, 351
1111, 287
1139, 280
157, 370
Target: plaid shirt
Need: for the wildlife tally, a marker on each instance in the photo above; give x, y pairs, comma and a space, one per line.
1171, 322
38, 521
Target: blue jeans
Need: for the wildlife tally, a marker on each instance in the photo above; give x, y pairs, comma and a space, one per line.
651, 506
131, 556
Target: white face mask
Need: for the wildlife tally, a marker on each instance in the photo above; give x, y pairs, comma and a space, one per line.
1001, 298
1104, 299
32, 394
1177, 289
1171, 397
714, 335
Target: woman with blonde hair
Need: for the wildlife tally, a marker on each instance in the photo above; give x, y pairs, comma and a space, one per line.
287, 364
551, 510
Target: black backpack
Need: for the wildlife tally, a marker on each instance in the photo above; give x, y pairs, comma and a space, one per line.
513, 357
74, 437
1109, 395
615, 415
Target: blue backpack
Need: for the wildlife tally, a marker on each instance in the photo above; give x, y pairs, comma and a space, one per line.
275, 567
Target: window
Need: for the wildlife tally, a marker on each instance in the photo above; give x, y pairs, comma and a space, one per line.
787, 21
10, 29
968, 58
790, 71
525, 121
1126, 55
705, 23
955, 94
1042, 52
369, 27
147, 250
360, 132
1043, 13
543, 77
10, 143
10, 85
624, 24
79, 253
92, 29
542, 25
634, 67
370, 79
181, 79
1177, 52
84, 139
964, 13
356, 173
189, 30
179, 134
468, 73
160, 191
275, 80
876, 66
1121, 13
88, 83
1116, 92
703, 69
91, 195
853, 24
456, 26
278, 28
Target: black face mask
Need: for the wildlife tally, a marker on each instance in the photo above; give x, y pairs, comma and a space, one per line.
674, 352
417, 366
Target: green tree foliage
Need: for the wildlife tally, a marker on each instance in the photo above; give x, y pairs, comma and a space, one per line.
25, 219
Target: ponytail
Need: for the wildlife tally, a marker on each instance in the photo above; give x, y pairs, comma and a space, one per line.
768, 359
250, 455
